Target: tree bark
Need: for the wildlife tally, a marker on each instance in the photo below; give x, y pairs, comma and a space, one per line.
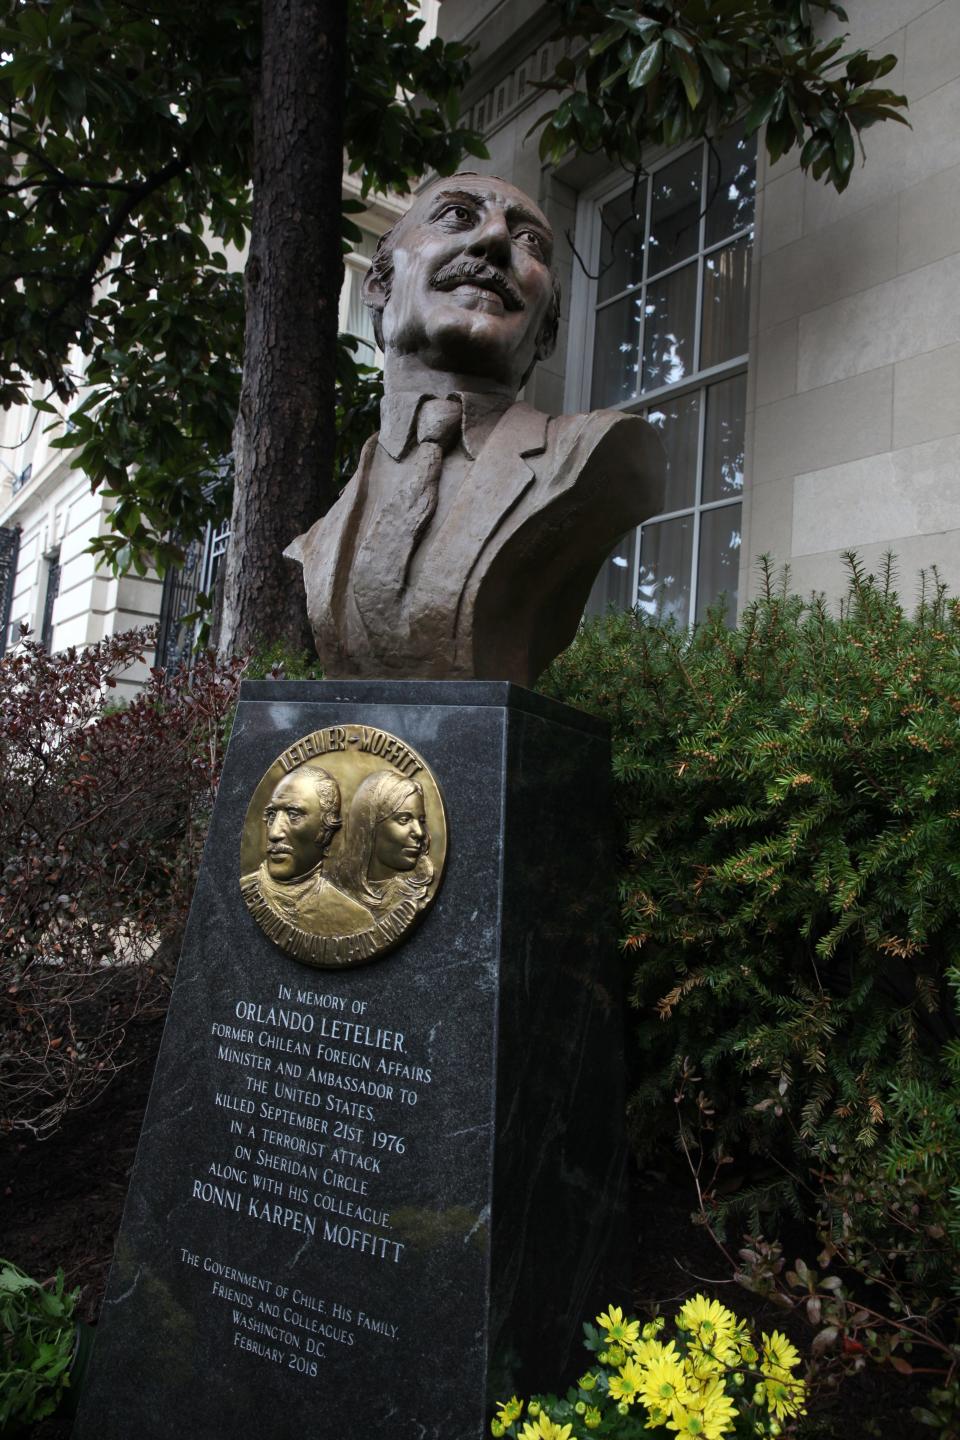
285, 432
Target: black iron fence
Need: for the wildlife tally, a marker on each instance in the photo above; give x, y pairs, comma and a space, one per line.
9, 553
179, 626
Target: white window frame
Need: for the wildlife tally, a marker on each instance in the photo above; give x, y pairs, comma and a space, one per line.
583, 314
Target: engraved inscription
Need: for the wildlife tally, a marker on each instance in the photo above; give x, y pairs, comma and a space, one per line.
311, 1088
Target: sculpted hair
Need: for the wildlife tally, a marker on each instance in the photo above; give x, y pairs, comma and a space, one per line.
328, 793
378, 797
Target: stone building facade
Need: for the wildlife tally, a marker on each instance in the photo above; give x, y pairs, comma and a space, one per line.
799, 349
803, 362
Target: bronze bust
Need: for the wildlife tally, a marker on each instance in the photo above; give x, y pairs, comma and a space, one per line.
467, 541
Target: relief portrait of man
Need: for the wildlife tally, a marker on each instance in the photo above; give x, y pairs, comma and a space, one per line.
300, 820
384, 859
467, 541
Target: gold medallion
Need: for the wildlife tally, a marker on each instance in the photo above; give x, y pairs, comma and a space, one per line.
343, 846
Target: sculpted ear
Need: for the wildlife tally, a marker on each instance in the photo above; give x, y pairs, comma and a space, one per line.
374, 292
547, 336
546, 342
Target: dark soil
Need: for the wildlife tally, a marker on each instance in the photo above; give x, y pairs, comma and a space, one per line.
61, 1201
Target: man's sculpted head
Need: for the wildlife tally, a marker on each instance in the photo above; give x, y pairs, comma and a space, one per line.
301, 818
463, 286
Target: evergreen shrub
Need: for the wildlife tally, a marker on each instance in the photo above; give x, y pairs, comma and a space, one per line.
790, 799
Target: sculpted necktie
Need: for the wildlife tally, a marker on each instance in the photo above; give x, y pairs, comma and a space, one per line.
401, 520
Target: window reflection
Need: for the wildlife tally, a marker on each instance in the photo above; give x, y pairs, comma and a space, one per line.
623, 224
719, 570
675, 211
726, 304
646, 341
670, 317
616, 347
731, 186
723, 441
678, 422
614, 585
666, 552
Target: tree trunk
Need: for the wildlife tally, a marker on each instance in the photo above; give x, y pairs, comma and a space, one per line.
285, 431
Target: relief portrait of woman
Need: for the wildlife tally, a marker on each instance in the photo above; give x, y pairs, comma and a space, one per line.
386, 843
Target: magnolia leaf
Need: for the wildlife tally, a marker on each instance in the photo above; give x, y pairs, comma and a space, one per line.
758, 112
843, 148
719, 71
646, 66
604, 41
691, 78
676, 39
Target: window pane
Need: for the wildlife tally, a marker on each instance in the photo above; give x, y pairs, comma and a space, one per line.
723, 442
621, 242
726, 301
666, 549
675, 216
678, 423
668, 334
731, 208
719, 569
615, 347
613, 586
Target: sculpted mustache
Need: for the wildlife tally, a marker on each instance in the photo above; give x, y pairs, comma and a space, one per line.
478, 273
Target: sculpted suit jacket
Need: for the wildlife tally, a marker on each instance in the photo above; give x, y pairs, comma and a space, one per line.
502, 579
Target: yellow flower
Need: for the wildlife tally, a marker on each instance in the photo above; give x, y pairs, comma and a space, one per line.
544, 1429
784, 1393
619, 1331
714, 1334
664, 1385
626, 1386
708, 1316
592, 1418
614, 1356
509, 1410
785, 1397
588, 1381
711, 1414
778, 1353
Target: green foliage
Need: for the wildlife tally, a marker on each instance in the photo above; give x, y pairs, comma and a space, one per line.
359, 392
675, 70
126, 144
790, 795
36, 1345
277, 662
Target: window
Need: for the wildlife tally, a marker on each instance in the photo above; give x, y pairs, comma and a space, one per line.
355, 318
667, 303
9, 554
53, 590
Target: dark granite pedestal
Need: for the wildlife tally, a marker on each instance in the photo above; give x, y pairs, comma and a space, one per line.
299, 1257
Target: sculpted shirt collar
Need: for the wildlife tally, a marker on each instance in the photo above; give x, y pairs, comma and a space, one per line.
398, 416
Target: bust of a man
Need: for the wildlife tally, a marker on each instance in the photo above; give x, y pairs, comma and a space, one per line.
467, 541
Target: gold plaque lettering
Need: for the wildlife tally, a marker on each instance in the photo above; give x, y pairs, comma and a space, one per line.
343, 846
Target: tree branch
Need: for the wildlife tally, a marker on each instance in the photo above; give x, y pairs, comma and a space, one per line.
116, 223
